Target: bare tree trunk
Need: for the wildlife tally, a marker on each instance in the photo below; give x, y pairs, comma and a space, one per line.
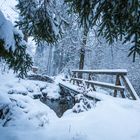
49, 61
82, 51
61, 60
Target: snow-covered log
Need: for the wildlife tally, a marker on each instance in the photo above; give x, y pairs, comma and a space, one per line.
40, 78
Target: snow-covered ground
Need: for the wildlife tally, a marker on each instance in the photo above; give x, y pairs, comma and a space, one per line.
26, 118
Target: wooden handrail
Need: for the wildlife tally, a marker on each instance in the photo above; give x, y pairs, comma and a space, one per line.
102, 84
103, 71
121, 78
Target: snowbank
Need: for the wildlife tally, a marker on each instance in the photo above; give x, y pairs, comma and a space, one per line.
110, 119
17, 106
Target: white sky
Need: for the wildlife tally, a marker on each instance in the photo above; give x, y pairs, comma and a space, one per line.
8, 9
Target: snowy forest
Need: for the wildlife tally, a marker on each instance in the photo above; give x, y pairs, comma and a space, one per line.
69, 70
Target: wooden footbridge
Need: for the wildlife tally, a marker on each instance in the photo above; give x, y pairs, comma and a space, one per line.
121, 87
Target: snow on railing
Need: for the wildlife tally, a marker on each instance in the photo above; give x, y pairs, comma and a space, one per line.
122, 84
103, 71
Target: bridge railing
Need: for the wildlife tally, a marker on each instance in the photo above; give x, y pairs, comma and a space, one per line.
121, 86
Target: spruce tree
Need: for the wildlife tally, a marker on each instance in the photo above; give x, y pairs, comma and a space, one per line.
115, 20
13, 48
18, 60
38, 19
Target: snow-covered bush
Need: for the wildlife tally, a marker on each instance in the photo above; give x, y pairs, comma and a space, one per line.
82, 104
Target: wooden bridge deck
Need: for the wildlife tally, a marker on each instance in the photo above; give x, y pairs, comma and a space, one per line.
122, 86
71, 90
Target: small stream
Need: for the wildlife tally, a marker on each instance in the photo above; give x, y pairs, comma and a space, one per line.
66, 101
59, 105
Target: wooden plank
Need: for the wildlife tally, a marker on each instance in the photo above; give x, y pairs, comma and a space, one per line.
102, 84
70, 89
130, 88
74, 92
104, 71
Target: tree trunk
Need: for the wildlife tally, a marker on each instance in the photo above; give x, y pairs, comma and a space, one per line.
61, 61
82, 51
49, 64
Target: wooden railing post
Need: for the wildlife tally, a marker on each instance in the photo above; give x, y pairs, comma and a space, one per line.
90, 78
80, 75
118, 83
130, 88
73, 76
